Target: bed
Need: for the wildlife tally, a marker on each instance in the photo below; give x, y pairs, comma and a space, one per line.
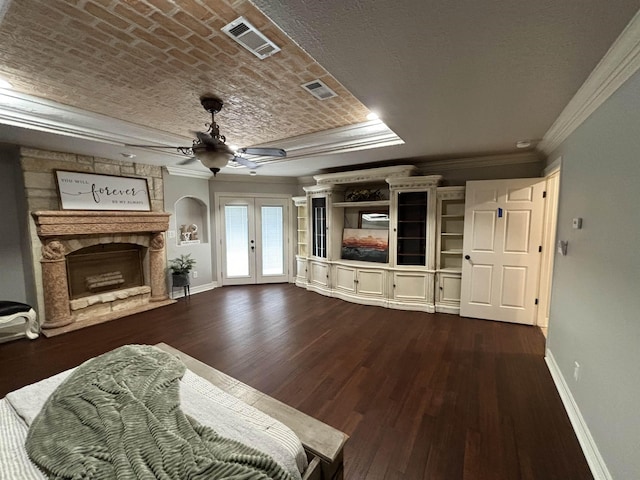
285, 442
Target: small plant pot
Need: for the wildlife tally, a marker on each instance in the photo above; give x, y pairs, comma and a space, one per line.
180, 279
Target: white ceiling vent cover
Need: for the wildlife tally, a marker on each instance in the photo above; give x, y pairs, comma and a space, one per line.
250, 38
319, 89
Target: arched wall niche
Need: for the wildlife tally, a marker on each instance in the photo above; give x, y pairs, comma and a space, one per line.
191, 221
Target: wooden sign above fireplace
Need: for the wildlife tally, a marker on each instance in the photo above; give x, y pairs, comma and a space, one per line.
94, 191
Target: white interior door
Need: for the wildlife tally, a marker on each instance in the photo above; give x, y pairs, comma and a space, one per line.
502, 237
254, 240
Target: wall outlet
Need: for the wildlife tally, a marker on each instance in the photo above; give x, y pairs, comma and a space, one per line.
195, 274
576, 371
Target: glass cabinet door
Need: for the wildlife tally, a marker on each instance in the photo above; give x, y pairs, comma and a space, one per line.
319, 225
412, 228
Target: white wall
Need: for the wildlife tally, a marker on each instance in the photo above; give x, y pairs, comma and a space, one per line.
595, 303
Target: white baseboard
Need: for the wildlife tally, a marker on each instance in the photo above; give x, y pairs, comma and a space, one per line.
178, 292
589, 448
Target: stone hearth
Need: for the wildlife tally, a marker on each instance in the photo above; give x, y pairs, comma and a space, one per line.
64, 232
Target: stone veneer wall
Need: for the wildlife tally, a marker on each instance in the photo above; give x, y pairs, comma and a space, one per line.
41, 193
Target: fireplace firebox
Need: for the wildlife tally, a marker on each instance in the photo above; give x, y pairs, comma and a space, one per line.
105, 267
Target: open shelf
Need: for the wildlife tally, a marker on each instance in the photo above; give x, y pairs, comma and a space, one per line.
450, 270
370, 204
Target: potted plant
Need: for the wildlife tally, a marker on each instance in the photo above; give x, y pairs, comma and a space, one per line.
180, 268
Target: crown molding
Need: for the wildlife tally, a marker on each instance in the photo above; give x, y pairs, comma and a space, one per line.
225, 177
187, 172
620, 62
439, 166
350, 138
379, 174
413, 182
33, 113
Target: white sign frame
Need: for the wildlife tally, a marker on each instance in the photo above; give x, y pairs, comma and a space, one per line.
97, 191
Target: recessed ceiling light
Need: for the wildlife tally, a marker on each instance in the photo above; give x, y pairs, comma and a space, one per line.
523, 143
5, 84
372, 116
128, 155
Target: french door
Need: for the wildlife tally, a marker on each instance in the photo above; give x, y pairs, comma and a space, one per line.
254, 239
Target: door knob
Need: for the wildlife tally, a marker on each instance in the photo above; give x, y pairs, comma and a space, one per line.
467, 257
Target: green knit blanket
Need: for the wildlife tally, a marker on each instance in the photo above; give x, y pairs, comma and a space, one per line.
117, 416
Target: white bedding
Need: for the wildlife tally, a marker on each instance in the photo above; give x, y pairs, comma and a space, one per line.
203, 401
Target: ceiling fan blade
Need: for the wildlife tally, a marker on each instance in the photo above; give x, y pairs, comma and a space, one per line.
187, 161
245, 162
206, 138
266, 152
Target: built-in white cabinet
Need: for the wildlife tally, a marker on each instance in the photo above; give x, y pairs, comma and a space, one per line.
360, 285
318, 277
302, 240
450, 229
382, 236
301, 271
411, 290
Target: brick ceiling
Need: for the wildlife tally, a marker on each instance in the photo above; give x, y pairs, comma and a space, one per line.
149, 61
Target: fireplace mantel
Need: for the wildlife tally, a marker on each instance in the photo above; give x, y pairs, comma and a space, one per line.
63, 231
57, 223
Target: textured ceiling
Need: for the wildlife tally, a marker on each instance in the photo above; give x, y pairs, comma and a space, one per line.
149, 61
452, 79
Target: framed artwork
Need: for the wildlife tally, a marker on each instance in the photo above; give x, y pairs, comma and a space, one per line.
365, 244
96, 191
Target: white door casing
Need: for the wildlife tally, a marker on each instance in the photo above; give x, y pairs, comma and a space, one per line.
502, 237
552, 188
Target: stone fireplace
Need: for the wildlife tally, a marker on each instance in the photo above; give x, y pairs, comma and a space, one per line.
99, 266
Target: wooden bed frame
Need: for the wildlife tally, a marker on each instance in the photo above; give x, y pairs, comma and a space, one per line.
322, 443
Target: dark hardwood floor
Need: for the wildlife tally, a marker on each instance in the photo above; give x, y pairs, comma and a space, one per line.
423, 396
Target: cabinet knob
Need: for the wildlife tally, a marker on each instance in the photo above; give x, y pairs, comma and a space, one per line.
467, 257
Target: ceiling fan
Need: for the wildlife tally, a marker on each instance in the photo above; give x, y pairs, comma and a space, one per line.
210, 147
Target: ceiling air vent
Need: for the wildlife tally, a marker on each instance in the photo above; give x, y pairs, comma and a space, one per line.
250, 38
319, 89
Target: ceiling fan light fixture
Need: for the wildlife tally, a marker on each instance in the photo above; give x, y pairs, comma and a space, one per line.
214, 160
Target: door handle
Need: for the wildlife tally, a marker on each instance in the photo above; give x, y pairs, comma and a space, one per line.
467, 257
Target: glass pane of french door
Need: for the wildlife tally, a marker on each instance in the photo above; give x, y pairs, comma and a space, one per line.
236, 221
272, 240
